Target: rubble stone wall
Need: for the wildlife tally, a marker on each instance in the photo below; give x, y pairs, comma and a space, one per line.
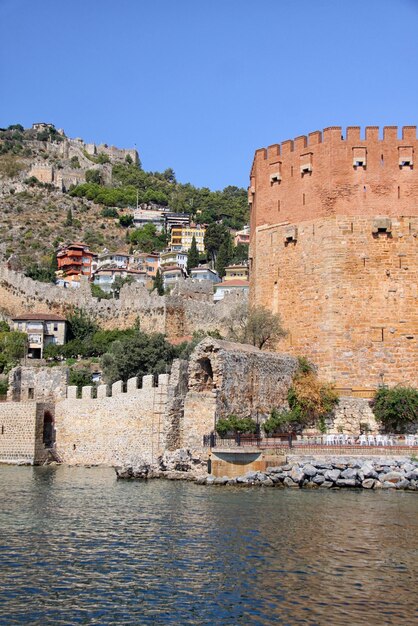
245, 380
187, 309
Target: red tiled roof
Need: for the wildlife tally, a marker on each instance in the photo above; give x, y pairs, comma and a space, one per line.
44, 317
170, 268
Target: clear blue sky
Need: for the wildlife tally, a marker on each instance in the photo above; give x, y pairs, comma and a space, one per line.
199, 85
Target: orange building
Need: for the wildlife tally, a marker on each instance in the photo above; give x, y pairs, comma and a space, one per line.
333, 251
76, 259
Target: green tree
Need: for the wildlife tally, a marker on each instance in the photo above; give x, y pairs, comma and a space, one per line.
54, 262
256, 326
79, 377
192, 256
128, 159
119, 282
74, 162
97, 292
69, 220
126, 220
13, 347
109, 212
136, 356
169, 175
240, 254
147, 238
263, 328
396, 408
215, 236
41, 273
102, 158
158, 283
81, 324
225, 255
94, 176
280, 422
232, 424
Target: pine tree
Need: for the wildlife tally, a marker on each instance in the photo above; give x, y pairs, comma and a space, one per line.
193, 256
223, 258
158, 283
69, 220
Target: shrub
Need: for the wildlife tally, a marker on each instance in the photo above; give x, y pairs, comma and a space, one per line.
109, 212
235, 425
279, 422
4, 385
126, 220
74, 162
396, 408
310, 399
102, 157
94, 176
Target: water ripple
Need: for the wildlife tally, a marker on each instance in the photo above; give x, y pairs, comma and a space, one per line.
78, 547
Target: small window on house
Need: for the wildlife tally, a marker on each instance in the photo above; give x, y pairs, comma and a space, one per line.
55, 326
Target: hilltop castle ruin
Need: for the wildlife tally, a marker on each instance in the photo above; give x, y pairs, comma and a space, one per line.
334, 251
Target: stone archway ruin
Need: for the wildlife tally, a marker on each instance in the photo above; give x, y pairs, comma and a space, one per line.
204, 374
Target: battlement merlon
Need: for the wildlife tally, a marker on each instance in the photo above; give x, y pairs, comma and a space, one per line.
134, 386
334, 135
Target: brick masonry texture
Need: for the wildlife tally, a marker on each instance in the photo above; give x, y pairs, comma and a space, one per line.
334, 251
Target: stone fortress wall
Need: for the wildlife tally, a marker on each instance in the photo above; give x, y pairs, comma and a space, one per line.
64, 176
141, 420
334, 251
188, 308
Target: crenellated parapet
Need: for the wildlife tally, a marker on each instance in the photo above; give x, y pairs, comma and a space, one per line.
136, 387
333, 135
329, 173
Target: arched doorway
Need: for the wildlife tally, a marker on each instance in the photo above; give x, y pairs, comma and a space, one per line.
48, 436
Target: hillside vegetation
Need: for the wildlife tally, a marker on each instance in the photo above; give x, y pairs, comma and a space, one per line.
130, 182
39, 217
35, 221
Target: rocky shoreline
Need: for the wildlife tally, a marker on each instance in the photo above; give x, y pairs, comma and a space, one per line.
307, 473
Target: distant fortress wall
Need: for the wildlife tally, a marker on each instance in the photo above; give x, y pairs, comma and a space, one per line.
188, 308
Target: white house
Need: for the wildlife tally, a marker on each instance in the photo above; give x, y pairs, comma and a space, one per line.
230, 286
